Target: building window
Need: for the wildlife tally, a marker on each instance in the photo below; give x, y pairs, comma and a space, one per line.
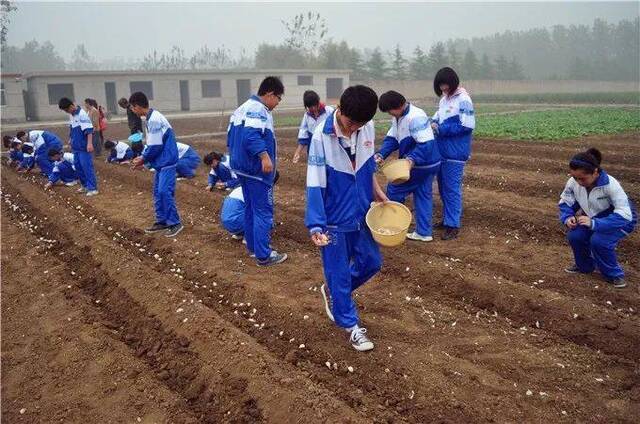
58, 91
305, 80
4, 98
145, 86
211, 88
334, 88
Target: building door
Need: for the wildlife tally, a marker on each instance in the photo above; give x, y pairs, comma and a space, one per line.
243, 87
184, 95
334, 88
110, 95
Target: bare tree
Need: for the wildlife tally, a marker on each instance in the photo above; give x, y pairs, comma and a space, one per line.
305, 32
6, 7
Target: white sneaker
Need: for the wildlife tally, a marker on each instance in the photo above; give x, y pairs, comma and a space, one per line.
360, 341
180, 178
92, 193
71, 183
417, 237
327, 302
238, 237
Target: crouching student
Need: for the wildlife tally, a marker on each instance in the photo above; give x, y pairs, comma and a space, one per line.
161, 154
598, 214
221, 176
15, 151
42, 141
453, 124
63, 171
137, 146
119, 152
411, 135
232, 211
28, 160
341, 185
188, 161
315, 113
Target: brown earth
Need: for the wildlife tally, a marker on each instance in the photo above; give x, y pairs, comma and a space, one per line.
103, 323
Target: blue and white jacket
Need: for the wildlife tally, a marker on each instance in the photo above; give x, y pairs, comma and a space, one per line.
456, 121
606, 204
412, 136
121, 152
15, 155
63, 169
28, 160
79, 128
232, 212
223, 173
250, 134
43, 141
161, 150
310, 122
339, 177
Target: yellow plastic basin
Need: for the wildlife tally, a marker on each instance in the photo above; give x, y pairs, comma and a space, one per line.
397, 171
389, 223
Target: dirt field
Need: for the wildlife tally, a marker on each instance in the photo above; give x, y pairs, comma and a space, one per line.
102, 323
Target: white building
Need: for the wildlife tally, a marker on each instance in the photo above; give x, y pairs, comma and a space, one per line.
12, 102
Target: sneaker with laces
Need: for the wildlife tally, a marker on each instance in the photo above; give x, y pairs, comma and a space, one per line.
71, 183
174, 230
328, 305
359, 340
417, 237
618, 283
92, 193
155, 228
274, 259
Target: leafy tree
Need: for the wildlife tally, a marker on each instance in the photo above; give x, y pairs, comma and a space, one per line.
32, 57
470, 65
486, 69
419, 66
437, 57
376, 66
6, 7
399, 68
81, 60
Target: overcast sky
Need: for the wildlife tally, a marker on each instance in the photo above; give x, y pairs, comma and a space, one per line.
130, 29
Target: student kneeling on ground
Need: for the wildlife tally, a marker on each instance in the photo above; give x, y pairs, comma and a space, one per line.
316, 112
28, 160
15, 151
412, 136
341, 185
161, 154
119, 152
63, 170
598, 214
42, 141
188, 161
220, 176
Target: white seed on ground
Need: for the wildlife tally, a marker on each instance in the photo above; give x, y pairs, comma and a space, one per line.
302, 346
305, 317
281, 333
529, 392
23, 410
328, 364
350, 368
179, 310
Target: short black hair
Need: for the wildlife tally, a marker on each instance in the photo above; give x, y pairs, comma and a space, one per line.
52, 152
20, 134
123, 101
391, 100
139, 99
7, 140
589, 161
447, 76
109, 144
27, 148
271, 85
64, 103
92, 102
137, 148
310, 98
208, 159
359, 103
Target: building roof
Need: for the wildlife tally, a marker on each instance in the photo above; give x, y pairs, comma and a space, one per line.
184, 72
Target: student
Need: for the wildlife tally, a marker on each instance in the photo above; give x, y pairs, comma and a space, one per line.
42, 141
91, 106
598, 214
137, 146
161, 154
220, 175
341, 185
232, 211
412, 136
119, 152
253, 158
316, 112
188, 161
452, 124
81, 140
28, 160
134, 121
15, 153
63, 170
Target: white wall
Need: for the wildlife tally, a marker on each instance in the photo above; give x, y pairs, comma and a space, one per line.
13, 110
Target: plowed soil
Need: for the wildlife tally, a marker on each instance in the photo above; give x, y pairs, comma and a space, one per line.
103, 323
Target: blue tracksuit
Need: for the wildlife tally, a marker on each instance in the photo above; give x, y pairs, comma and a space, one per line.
412, 136
43, 141
613, 217
80, 127
121, 152
232, 212
309, 124
15, 155
456, 121
188, 161
161, 154
28, 161
251, 134
339, 192
223, 173
63, 170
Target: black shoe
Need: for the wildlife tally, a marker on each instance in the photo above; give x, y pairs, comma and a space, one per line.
439, 225
155, 228
450, 233
173, 230
618, 283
